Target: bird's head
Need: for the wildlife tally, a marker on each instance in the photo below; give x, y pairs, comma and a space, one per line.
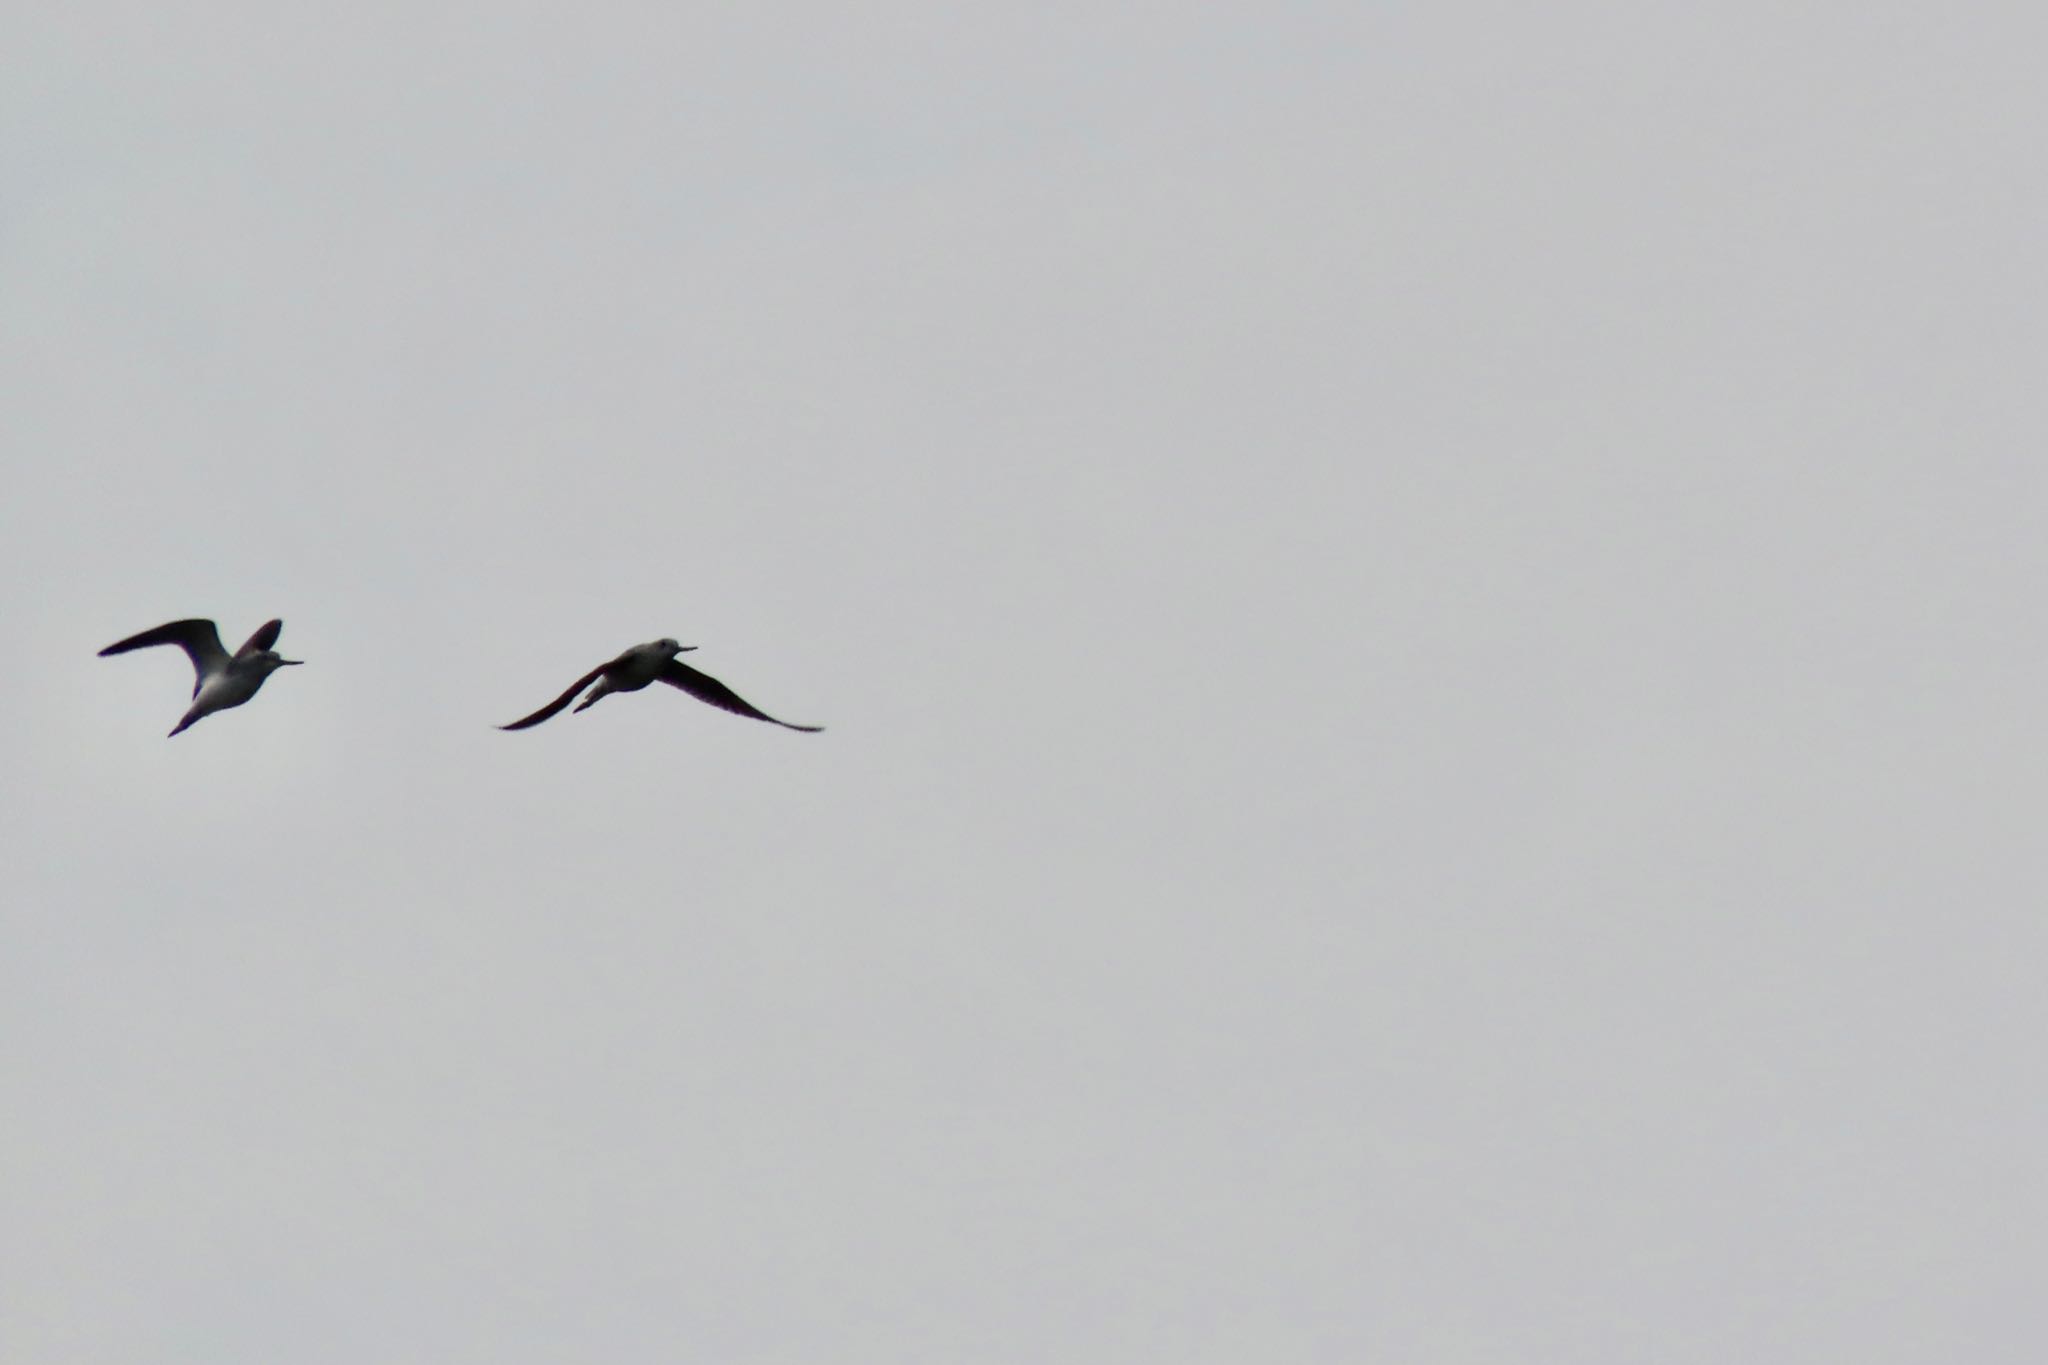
272, 661
668, 646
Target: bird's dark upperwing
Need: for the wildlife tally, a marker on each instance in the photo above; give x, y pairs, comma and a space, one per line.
265, 636
704, 687
558, 703
199, 640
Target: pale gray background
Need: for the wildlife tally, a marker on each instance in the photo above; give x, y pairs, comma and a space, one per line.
1428, 616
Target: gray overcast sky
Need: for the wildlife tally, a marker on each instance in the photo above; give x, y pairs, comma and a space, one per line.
1427, 616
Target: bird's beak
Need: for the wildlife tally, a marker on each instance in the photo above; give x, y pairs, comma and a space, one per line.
684, 649
282, 662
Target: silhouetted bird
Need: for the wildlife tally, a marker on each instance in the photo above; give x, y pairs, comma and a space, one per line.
643, 664
220, 679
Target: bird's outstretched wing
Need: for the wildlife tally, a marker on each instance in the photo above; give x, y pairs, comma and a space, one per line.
199, 639
706, 688
265, 636
558, 703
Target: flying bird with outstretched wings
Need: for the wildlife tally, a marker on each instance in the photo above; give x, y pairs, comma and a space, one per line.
653, 662
220, 679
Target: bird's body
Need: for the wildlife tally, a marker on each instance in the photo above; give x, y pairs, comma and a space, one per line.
643, 664
220, 679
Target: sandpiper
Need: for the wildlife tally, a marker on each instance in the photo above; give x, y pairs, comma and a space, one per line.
643, 664
221, 679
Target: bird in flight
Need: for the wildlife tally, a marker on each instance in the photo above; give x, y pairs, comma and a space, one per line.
220, 679
652, 662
